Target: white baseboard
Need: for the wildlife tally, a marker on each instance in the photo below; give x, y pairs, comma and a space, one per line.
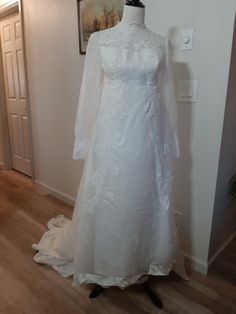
195, 263
62, 196
223, 246
201, 266
2, 166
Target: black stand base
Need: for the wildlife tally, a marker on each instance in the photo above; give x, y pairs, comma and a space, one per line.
154, 297
96, 292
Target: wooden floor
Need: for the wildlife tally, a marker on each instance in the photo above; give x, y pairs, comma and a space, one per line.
30, 288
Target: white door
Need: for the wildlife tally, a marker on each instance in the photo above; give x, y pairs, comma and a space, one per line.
15, 91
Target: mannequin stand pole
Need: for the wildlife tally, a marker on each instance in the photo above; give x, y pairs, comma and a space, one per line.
154, 297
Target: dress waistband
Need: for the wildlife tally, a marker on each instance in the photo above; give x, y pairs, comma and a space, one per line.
131, 82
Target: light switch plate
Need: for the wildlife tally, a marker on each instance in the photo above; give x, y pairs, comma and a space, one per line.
187, 39
187, 91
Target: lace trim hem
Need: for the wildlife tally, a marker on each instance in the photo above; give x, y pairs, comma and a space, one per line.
121, 282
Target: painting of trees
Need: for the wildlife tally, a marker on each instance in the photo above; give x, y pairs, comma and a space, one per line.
96, 15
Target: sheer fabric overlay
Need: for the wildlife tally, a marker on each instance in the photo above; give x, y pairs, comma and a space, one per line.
123, 226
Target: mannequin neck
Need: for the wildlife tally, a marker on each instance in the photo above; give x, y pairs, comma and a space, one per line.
133, 14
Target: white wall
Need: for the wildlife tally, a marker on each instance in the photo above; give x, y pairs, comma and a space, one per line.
200, 124
55, 69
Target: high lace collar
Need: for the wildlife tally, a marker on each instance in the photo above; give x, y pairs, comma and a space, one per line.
123, 23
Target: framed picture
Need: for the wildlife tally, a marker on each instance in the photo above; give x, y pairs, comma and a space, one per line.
96, 15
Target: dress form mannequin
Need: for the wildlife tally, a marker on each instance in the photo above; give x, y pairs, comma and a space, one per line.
134, 13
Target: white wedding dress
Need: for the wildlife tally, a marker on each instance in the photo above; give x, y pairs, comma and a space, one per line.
123, 225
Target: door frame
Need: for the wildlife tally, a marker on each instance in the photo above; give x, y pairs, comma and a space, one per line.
11, 7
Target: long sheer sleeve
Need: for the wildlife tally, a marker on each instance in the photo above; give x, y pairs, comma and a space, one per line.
168, 96
89, 99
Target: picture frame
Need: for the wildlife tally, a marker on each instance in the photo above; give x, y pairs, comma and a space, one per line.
96, 15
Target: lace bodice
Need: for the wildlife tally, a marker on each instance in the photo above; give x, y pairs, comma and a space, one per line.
128, 54
133, 45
